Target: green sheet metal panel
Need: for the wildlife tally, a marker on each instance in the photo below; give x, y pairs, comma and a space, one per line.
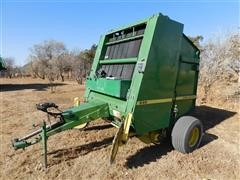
159, 77
112, 87
187, 76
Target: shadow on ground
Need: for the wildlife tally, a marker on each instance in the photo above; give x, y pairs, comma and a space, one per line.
71, 153
18, 87
209, 116
148, 154
98, 127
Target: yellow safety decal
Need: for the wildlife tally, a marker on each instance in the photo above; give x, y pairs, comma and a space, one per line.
186, 97
154, 101
158, 101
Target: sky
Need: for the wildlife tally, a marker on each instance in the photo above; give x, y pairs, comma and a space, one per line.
79, 24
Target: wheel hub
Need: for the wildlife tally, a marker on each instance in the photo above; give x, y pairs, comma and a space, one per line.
194, 136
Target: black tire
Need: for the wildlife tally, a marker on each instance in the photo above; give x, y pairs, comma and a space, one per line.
182, 134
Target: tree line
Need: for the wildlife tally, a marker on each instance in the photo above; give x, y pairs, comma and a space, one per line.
52, 60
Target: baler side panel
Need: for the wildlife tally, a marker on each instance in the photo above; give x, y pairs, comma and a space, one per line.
158, 84
187, 77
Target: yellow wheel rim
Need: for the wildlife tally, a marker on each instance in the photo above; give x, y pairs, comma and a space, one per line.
194, 136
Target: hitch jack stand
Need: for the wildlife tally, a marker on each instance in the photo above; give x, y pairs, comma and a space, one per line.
44, 141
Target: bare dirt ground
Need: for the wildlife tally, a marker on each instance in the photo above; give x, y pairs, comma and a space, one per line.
85, 154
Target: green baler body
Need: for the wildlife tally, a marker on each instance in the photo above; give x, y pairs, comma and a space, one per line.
149, 68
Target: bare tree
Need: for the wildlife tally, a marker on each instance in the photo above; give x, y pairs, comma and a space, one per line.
220, 61
10, 67
47, 60
47, 57
78, 66
83, 62
63, 64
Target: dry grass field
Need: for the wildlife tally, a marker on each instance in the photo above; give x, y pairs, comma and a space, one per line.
76, 154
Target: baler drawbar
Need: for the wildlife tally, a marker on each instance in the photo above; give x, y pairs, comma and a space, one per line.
70, 118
